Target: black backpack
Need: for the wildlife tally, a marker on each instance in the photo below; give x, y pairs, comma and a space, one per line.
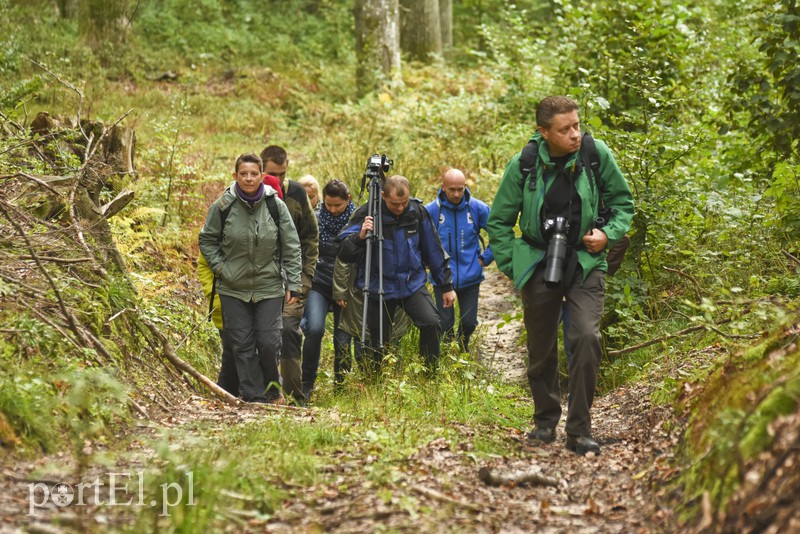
589, 157
272, 206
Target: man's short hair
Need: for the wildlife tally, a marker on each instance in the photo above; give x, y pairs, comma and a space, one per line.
550, 107
396, 183
275, 154
249, 157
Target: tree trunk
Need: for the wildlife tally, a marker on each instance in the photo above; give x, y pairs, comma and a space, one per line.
377, 43
420, 29
446, 22
102, 21
66, 8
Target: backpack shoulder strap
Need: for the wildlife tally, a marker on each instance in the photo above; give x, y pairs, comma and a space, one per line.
590, 159
436, 211
272, 206
527, 163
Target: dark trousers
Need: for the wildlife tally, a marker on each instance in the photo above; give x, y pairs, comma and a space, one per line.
422, 310
542, 312
317, 308
228, 377
292, 349
254, 332
467, 310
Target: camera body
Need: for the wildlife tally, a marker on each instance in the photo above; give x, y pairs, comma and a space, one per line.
555, 260
604, 214
377, 166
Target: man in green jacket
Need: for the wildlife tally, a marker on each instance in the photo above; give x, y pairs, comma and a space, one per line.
559, 259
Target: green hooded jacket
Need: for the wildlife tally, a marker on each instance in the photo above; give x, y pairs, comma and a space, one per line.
515, 201
244, 256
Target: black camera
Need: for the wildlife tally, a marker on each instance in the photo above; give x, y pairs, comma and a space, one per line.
558, 229
604, 214
377, 166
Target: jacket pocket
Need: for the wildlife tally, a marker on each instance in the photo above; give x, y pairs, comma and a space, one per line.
524, 259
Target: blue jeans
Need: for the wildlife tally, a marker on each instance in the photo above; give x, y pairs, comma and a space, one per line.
317, 307
468, 311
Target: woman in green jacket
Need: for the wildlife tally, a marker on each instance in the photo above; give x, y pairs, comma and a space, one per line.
256, 264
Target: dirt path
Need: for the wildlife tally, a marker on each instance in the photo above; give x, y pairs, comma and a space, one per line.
438, 487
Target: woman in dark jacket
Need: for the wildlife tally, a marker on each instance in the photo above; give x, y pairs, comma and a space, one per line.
333, 214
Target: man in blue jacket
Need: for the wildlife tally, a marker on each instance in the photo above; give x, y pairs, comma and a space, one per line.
459, 217
410, 243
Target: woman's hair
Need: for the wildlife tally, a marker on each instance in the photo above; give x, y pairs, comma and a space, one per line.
309, 180
248, 158
552, 106
336, 188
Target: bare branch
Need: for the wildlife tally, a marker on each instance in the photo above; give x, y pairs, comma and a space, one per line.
790, 256
439, 496
67, 315
692, 279
69, 86
653, 341
181, 365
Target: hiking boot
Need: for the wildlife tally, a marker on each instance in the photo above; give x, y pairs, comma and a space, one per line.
580, 445
543, 434
306, 389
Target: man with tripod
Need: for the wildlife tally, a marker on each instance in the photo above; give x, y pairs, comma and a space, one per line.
572, 202
408, 242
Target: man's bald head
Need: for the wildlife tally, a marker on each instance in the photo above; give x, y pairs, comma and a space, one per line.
454, 184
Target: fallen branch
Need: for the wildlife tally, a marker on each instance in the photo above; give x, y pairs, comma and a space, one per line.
178, 363
653, 341
439, 496
71, 321
66, 261
791, 256
692, 279
139, 408
493, 478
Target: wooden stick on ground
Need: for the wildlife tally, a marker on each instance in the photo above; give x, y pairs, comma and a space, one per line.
494, 478
439, 496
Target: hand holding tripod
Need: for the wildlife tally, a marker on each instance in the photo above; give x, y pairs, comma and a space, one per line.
374, 176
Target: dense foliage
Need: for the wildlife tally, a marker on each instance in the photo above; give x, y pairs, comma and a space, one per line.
700, 102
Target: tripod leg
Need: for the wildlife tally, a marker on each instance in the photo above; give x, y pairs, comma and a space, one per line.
380, 273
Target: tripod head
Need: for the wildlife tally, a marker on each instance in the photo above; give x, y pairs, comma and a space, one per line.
377, 167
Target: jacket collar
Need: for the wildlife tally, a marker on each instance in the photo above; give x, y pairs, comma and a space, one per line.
441, 198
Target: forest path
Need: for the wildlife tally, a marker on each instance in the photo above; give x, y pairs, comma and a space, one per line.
437, 487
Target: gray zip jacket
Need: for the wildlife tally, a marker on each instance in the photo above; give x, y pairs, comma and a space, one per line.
245, 255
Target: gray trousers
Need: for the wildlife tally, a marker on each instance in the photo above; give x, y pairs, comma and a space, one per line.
253, 330
542, 310
292, 352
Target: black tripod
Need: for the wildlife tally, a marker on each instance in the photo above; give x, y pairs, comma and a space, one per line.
374, 175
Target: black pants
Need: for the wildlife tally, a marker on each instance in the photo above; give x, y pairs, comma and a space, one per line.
254, 332
584, 299
468, 314
228, 377
422, 310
